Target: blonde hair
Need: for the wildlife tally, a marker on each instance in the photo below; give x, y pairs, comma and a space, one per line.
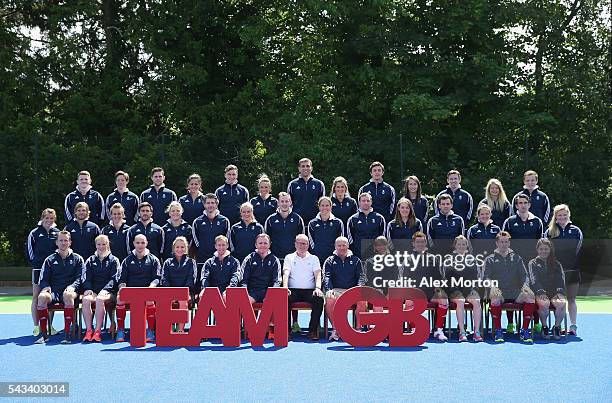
381, 240
174, 204
529, 173
180, 239
194, 177
221, 238
459, 238
553, 230
104, 238
117, 206
411, 216
502, 199
263, 178
82, 204
339, 179
48, 211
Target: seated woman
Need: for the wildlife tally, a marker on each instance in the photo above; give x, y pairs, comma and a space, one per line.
464, 270
180, 271
548, 282
100, 287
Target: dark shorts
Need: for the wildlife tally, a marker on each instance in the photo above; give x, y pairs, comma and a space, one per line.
56, 297
572, 277
258, 295
35, 276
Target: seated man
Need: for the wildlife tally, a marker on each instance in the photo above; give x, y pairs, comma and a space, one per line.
302, 276
507, 267
425, 271
343, 270
140, 269
60, 279
260, 270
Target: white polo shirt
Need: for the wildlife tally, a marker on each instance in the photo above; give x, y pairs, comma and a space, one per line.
302, 270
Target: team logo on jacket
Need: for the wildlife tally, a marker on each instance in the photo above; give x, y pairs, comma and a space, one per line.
149, 196
531, 224
224, 192
460, 197
163, 196
73, 230
55, 262
358, 221
537, 197
39, 235
313, 186
297, 187
373, 220
291, 219
383, 191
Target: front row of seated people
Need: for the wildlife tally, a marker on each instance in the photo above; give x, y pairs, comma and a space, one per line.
100, 278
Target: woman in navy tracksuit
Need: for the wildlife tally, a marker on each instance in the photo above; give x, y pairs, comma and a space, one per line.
567, 240
413, 192
548, 282
180, 271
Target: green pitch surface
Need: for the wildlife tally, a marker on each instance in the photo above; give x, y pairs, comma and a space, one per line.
585, 304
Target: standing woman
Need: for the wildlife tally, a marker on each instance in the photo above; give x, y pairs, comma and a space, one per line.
243, 233
495, 198
464, 269
567, 240
414, 193
174, 227
264, 204
41, 243
548, 282
117, 231
193, 201
180, 271
323, 231
100, 286
343, 205
404, 225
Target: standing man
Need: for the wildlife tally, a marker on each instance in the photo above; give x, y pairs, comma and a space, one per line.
305, 192
463, 204
383, 194
524, 227
145, 226
207, 227
445, 226
158, 196
302, 276
540, 204
85, 193
82, 231
231, 195
365, 225
283, 226
122, 195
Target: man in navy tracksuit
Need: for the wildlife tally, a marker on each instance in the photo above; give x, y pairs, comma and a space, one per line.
117, 232
207, 227
85, 193
364, 226
482, 234
283, 227
219, 270
524, 227
507, 268
343, 270
260, 270
231, 195
540, 204
463, 204
445, 226
146, 227
40, 244
140, 269
323, 231
82, 231
60, 281
158, 196
122, 195
383, 194
243, 233
305, 192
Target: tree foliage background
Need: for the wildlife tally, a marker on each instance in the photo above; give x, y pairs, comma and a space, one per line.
491, 87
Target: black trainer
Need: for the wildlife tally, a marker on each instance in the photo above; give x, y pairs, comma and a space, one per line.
545, 334
67, 339
44, 337
556, 331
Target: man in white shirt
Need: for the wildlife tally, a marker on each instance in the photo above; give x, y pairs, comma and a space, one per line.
302, 276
